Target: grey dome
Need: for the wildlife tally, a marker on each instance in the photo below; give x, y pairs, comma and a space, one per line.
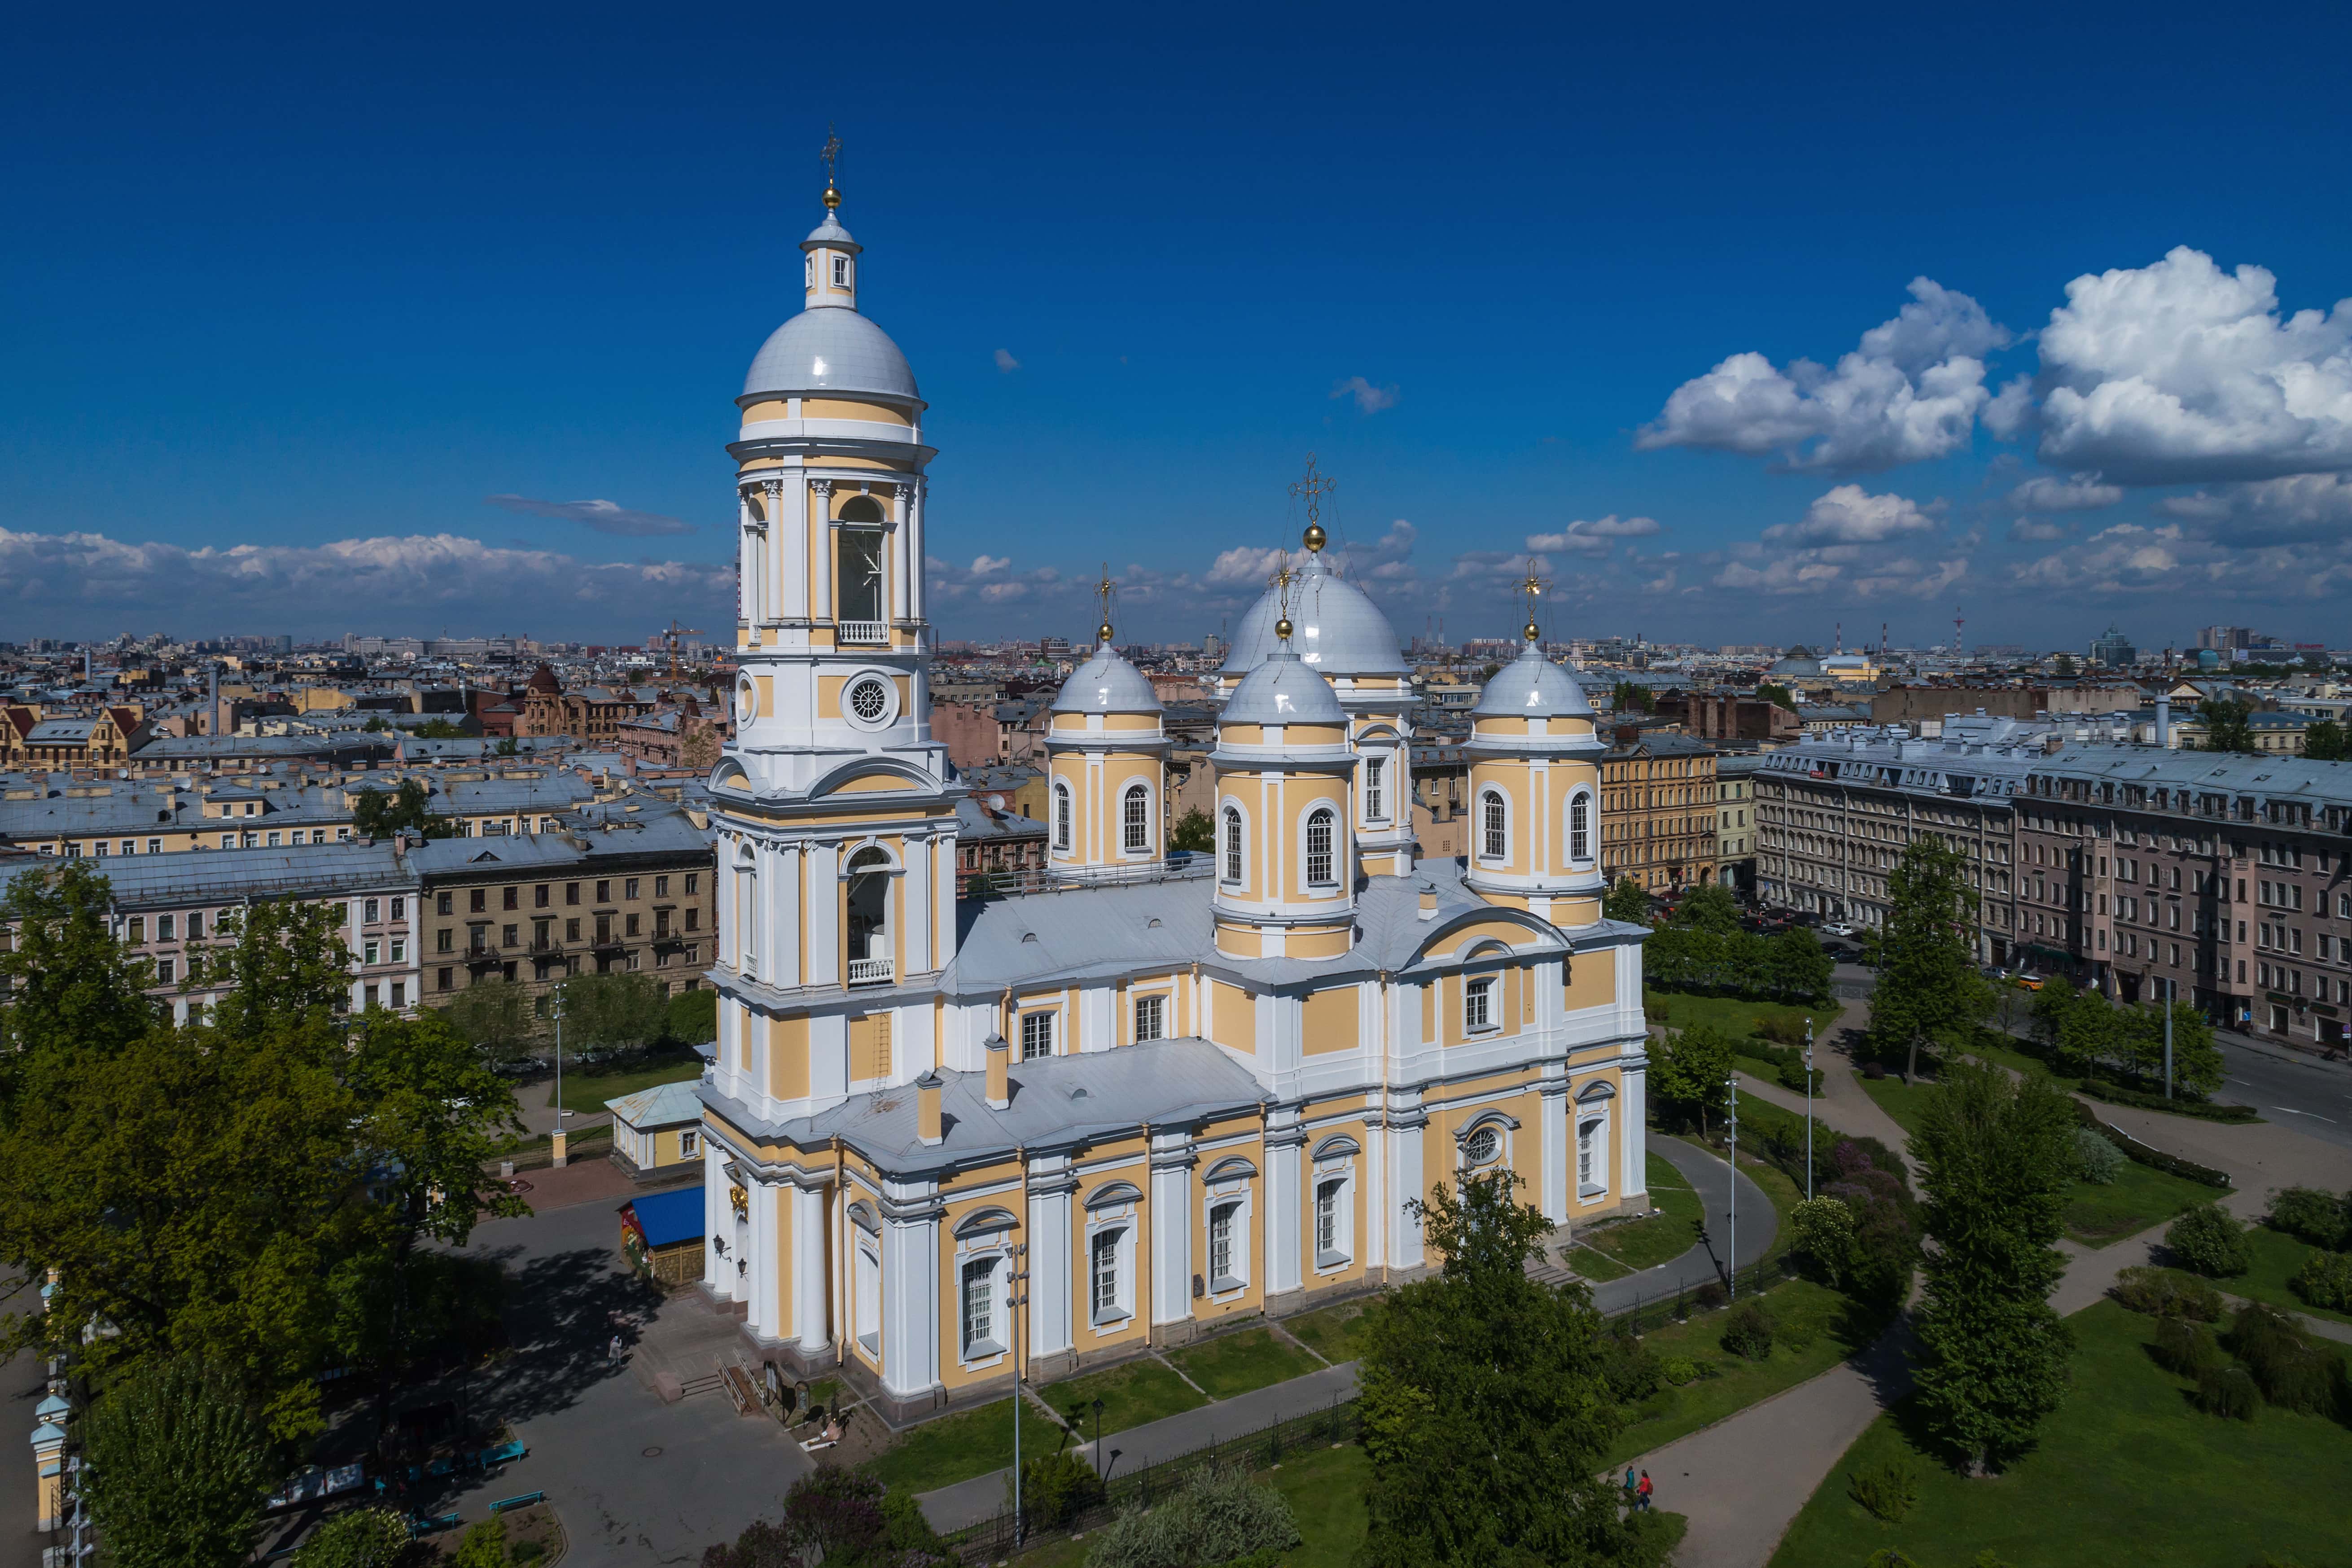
1106, 684
831, 233
1337, 628
830, 349
1804, 668
1283, 689
1532, 687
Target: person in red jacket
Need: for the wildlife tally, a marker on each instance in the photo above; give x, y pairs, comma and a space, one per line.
1645, 1491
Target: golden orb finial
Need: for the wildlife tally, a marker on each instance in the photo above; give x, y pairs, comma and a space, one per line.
1102, 633
1315, 538
1282, 629
831, 197
1533, 631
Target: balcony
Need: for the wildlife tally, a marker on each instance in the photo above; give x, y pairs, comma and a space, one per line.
870, 971
863, 634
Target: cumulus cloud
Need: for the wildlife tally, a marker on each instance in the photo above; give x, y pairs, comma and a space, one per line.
1005, 362
1912, 389
1246, 565
2269, 511
604, 516
2026, 529
984, 563
2083, 492
1369, 399
1852, 515
1596, 536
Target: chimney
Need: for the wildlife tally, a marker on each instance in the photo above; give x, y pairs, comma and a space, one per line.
214, 723
1429, 904
2163, 720
927, 1107
999, 1082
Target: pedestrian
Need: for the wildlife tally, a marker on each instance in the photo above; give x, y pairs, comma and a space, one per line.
1633, 1492
1645, 1491
613, 1351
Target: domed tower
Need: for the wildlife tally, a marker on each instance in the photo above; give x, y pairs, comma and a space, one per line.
1106, 754
1285, 873
1535, 792
1341, 635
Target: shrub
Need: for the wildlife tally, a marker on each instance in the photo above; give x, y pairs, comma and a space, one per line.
1748, 1332
1218, 1515
2309, 1215
2167, 1293
1824, 1237
1680, 1371
1634, 1371
2211, 1241
1891, 1557
2325, 1281
1887, 1488
484, 1545
1055, 1489
1710, 1295
363, 1538
2229, 1393
2096, 1160
2186, 1349
2292, 1372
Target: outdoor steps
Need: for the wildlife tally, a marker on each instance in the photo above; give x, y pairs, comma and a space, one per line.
708, 1383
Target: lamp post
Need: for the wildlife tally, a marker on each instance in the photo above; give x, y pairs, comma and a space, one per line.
1731, 1149
1017, 1297
1809, 1111
2171, 994
558, 1153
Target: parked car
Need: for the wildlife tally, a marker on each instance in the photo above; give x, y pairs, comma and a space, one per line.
2028, 982
1837, 928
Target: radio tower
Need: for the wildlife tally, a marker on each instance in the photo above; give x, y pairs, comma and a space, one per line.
1958, 622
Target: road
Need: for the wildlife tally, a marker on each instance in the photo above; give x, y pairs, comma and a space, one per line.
2311, 1096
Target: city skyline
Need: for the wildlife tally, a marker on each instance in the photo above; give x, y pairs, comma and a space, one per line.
1677, 340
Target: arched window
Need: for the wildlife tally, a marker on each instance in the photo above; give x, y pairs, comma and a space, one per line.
1319, 848
1580, 826
1233, 844
1135, 820
859, 557
1062, 818
1494, 832
869, 913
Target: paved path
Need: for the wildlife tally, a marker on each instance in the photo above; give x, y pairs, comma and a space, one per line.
1712, 1179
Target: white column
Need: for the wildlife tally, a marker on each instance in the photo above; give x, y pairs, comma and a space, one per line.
915, 584
1632, 1090
900, 571
1284, 1263
809, 1272
716, 1271
765, 1317
915, 940
1559, 1135
1404, 1141
775, 548
779, 918
910, 1305
943, 893
1171, 1241
1051, 1297
821, 903
816, 551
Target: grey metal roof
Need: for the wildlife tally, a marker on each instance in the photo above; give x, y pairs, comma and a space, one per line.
1532, 687
830, 232
829, 349
1282, 689
1106, 683
1082, 933
1337, 627
2281, 778
1054, 1100
224, 876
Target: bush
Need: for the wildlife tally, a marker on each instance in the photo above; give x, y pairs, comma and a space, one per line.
1218, 1515
1748, 1333
2096, 1160
2292, 1372
2167, 1293
2325, 1281
2229, 1393
1680, 1371
2182, 1102
1887, 1489
1632, 1370
2186, 1349
484, 1545
2155, 1160
2306, 1213
1055, 1489
363, 1538
2211, 1241
1824, 1237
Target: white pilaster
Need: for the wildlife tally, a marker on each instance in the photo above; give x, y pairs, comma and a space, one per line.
764, 1280
1172, 1240
1051, 1295
810, 1279
1285, 1245
1557, 1137
1632, 1092
910, 1304
821, 884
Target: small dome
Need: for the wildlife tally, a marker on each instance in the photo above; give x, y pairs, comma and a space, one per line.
1801, 666
1283, 690
543, 681
830, 234
1532, 687
1106, 683
1340, 630
830, 348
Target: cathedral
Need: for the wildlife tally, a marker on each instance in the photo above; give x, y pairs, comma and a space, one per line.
948, 1141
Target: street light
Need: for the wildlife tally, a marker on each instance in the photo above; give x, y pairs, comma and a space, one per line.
1731, 1149
1809, 1111
2171, 995
557, 1012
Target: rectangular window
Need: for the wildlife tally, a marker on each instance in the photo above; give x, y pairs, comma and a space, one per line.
571, 930
1148, 1016
629, 888
400, 992
1375, 809
979, 1306
195, 925
1327, 1215
661, 922
510, 897
154, 846
1102, 1255
373, 910
603, 893
400, 952
163, 971
694, 920
138, 930
693, 883
661, 888
273, 841
1478, 1004
571, 893
630, 920
689, 1144
370, 953
131, 846
603, 929
444, 939
1584, 1153
162, 928
479, 901
1220, 1246
444, 978
541, 896
1037, 1036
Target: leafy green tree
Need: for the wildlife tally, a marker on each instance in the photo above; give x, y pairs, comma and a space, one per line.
1778, 696
1691, 1074
1796, 966
439, 730
692, 1017
1631, 697
2228, 726
1485, 1401
2197, 1066
616, 1011
499, 1016
1929, 988
1193, 832
362, 1538
178, 1467
1626, 902
506, 748
289, 969
2327, 742
70, 986
2089, 1031
376, 726
2064, 666
1996, 1157
375, 814
1709, 907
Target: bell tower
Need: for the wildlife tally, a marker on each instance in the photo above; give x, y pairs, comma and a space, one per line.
1534, 788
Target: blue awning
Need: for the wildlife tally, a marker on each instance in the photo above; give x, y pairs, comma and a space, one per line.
663, 1218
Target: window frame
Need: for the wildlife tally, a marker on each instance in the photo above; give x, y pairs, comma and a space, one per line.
1233, 854
1580, 826
1153, 1004
1494, 827
1478, 1004
1039, 1021
1324, 819
1064, 816
1135, 819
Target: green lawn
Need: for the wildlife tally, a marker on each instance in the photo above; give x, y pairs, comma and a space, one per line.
1639, 1244
2126, 1472
1236, 1363
1132, 1394
1335, 1333
2277, 1256
588, 1091
1900, 1100
1596, 1267
957, 1448
1326, 1491
1730, 1015
1816, 1328
2139, 1196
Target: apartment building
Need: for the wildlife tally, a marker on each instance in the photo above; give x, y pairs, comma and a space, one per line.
1735, 818
1658, 810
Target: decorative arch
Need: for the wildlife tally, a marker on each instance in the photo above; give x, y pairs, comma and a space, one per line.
1233, 1168
861, 509
912, 776
1110, 1195
729, 774
1494, 825
870, 858
863, 1216
984, 1222
1339, 1146
1600, 1091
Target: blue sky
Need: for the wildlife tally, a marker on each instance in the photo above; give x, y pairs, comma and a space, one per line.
284, 302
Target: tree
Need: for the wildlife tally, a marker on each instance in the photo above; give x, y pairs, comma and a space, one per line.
2228, 725
363, 1538
506, 748
290, 969
1796, 966
1627, 902
2197, 1066
1193, 832
1929, 988
1485, 1401
2088, 1032
439, 730
498, 1017
2327, 742
178, 1465
1692, 1074
1996, 1157
692, 1016
70, 986
1630, 697
1709, 907
375, 814
700, 749
2064, 668
615, 1011
1778, 696
376, 726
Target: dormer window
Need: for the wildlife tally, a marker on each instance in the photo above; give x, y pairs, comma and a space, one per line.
840, 272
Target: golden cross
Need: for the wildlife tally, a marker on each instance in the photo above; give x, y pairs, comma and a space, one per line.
832, 153
1105, 591
1533, 587
1282, 575
1312, 489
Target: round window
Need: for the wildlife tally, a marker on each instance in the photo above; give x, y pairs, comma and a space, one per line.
1480, 1147
869, 699
747, 701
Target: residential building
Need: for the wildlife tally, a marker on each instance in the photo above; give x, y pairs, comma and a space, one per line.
1735, 826
1658, 799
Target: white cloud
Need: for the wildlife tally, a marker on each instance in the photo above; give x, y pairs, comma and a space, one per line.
1005, 362
1852, 515
2025, 528
2083, 492
999, 593
984, 563
1246, 565
2179, 372
2269, 511
604, 516
1911, 391
1596, 536
1369, 399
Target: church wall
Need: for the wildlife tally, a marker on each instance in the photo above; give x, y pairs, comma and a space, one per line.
1233, 1021
1330, 1021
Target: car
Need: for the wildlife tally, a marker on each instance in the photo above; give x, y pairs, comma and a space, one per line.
1837, 928
2029, 983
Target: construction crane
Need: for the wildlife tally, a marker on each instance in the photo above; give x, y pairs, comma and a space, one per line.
671, 636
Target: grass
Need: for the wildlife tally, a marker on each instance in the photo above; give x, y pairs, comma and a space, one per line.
1335, 1333
1597, 1266
1816, 1328
2139, 1196
1729, 1013
1325, 1492
2126, 1472
957, 1448
588, 1091
2277, 1256
1637, 1243
1234, 1364
1902, 1101
1132, 1394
